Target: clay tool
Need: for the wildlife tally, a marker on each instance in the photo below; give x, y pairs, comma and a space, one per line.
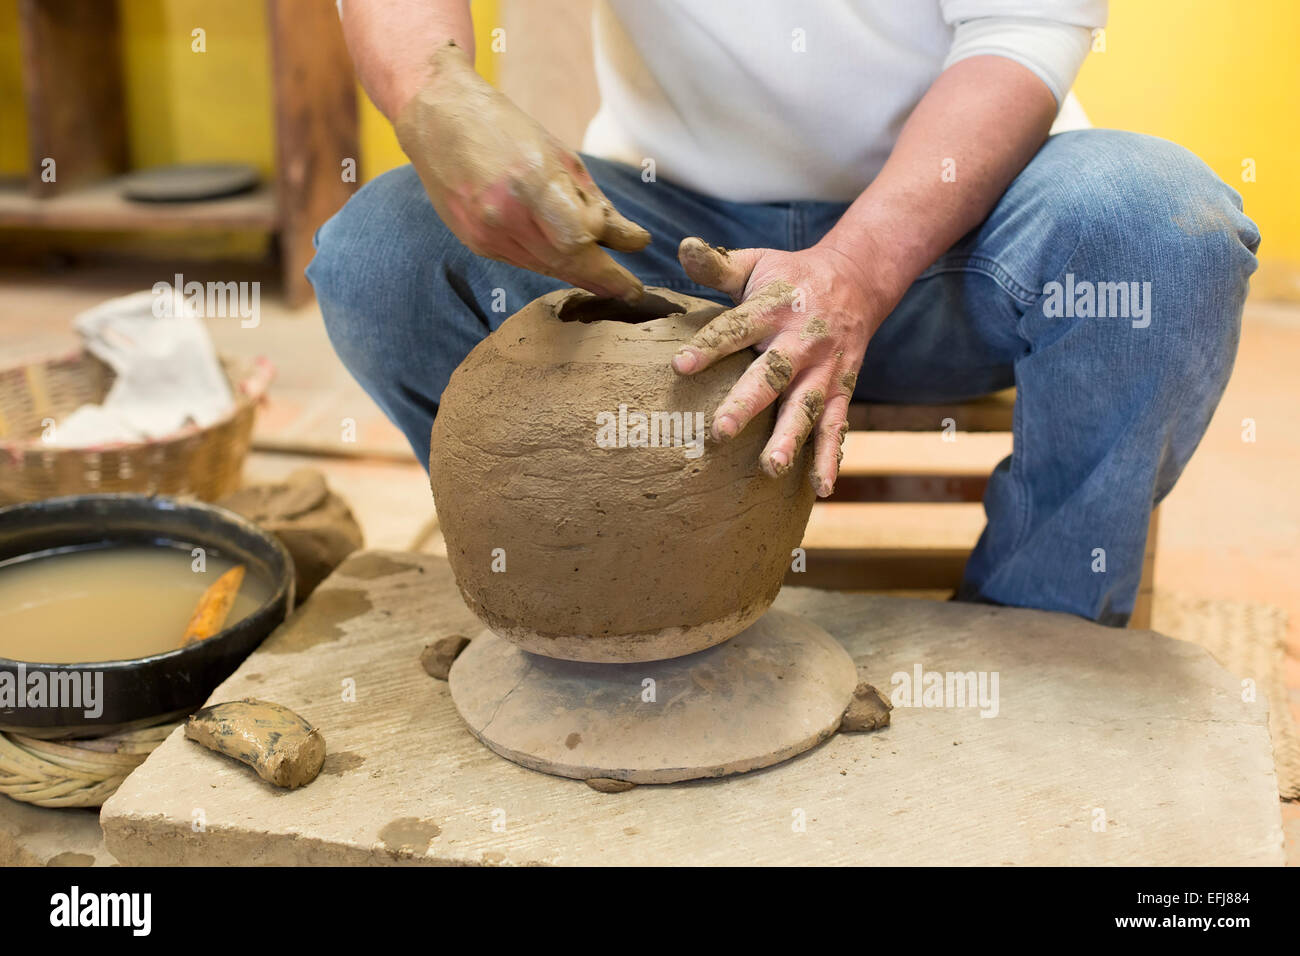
282, 747
214, 606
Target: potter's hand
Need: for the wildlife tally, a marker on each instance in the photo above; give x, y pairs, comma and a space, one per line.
811, 314
507, 188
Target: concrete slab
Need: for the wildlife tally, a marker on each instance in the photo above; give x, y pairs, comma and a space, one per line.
1100, 747
44, 836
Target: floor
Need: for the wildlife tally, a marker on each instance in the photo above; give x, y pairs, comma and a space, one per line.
1230, 529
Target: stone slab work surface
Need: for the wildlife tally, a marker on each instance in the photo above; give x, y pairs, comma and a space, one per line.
49, 836
1100, 746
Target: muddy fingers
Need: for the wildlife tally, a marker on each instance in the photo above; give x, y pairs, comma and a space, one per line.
761, 385
716, 267
828, 451
747, 324
799, 414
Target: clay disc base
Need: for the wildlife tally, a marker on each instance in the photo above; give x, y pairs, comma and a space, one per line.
774, 690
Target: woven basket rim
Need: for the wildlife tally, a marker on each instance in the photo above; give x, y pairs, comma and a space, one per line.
247, 391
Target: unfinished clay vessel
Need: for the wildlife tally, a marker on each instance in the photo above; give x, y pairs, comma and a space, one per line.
579, 531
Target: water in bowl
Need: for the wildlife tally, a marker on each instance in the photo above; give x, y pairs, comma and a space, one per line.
108, 604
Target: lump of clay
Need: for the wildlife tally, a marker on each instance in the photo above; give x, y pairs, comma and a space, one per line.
282, 747
313, 523
437, 658
582, 525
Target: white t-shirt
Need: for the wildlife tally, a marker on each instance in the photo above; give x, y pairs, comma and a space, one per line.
768, 100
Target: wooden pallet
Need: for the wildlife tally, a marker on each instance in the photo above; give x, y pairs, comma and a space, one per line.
907, 508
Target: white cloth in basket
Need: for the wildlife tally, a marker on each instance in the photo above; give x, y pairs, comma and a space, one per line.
168, 375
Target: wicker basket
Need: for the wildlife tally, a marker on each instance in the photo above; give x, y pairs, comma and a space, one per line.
73, 773
203, 462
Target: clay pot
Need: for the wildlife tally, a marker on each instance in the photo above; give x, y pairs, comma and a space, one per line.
567, 534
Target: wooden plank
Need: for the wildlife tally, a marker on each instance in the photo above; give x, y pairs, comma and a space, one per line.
991, 413
909, 488
880, 569
894, 527
918, 467
101, 206
884, 546
71, 69
316, 128
923, 453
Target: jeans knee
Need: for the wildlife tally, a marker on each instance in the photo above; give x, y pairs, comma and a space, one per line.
1152, 219
378, 254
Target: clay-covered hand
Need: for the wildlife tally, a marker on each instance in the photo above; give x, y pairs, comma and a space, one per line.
810, 314
507, 188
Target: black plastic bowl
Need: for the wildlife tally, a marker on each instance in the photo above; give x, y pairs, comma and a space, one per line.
136, 693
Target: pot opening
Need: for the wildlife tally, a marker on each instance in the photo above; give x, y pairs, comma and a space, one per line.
587, 308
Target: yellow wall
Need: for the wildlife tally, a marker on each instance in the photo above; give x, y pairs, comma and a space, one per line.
184, 106
13, 129
1220, 77
173, 94
379, 149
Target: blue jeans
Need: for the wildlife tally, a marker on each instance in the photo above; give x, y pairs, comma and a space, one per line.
1108, 409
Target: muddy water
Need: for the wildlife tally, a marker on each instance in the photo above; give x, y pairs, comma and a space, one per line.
107, 604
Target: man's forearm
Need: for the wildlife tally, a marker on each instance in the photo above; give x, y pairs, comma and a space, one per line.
391, 40
980, 123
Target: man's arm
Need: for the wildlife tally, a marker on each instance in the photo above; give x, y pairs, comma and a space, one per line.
504, 186
813, 312
390, 42
983, 119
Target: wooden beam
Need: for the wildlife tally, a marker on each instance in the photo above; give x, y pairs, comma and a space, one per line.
909, 487
316, 128
101, 206
991, 413
72, 84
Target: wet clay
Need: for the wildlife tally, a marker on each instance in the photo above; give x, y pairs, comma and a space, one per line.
778, 370
336, 765
314, 524
814, 329
609, 785
371, 566
437, 658
471, 145
868, 710
282, 747
608, 554
408, 837
319, 621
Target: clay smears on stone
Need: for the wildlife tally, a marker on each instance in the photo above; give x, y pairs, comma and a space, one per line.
367, 567
611, 553
408, 837
336, 765
319, 620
